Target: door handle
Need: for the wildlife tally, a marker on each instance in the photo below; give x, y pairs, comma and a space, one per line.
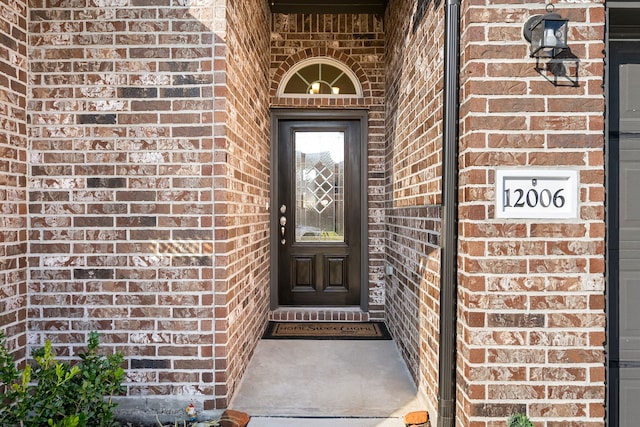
283, 223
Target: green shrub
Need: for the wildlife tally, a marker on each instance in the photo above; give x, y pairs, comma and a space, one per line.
519, 420
56, 394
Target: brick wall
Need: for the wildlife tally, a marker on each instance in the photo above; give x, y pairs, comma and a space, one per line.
531, 292
242, 167
413, 291
13, 171
150, 183
125, 100
413, 186
358, 42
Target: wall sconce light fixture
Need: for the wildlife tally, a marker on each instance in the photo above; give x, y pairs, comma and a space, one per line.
547, 34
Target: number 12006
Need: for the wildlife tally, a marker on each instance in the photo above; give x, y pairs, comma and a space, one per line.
519, 198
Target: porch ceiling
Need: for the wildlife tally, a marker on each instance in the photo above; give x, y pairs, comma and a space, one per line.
328, 6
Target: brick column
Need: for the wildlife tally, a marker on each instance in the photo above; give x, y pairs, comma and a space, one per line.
531, 292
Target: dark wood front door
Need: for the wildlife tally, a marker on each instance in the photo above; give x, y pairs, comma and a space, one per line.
319, 212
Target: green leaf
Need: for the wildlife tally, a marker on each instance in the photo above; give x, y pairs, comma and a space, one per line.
519, 420
56, 395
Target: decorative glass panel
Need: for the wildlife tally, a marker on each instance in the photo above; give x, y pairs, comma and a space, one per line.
319, 186
320, 79
296, 84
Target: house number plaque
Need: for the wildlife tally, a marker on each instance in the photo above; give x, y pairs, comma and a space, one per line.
536, 193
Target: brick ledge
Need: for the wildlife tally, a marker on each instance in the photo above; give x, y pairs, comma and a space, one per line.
327, 314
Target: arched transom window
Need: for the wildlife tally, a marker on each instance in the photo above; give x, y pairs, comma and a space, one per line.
320, 76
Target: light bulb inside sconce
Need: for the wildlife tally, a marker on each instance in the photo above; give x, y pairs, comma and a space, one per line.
550, 37
315, 89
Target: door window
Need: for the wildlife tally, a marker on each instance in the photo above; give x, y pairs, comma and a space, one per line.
319, 164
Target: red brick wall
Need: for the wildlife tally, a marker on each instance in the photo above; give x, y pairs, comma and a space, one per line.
13, 174
242, 166
122, 108
413, 171
150, 169
531, 292
358, 42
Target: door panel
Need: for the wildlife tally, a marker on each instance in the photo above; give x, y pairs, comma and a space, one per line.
303, 273
629, 98
624, 231
630, 392
629, 320
629, 219
320, 224
337, 268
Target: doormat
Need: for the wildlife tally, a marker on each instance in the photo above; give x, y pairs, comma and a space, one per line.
327, 331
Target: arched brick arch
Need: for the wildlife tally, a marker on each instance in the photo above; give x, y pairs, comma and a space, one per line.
318, 52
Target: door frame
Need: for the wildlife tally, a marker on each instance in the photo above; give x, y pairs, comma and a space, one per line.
611, 389
362, 116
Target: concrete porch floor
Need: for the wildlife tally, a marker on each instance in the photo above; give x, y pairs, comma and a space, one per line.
318, 383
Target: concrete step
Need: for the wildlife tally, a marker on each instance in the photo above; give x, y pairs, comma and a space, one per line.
324, 422
325, 379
